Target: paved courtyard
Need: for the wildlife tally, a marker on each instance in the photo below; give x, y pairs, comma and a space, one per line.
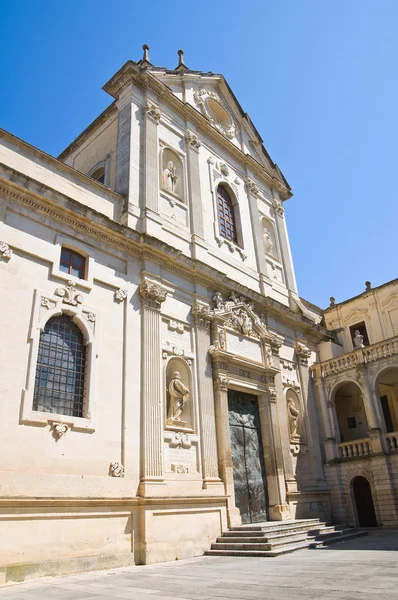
365, 568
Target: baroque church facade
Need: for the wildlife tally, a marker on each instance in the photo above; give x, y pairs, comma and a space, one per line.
162, 380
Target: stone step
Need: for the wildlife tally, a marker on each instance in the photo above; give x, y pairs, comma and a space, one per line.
264, 549
279, 525
278, 529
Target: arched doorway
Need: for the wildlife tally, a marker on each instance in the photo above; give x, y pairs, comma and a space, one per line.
362, 496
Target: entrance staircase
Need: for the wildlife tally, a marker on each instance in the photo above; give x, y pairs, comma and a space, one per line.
277, 537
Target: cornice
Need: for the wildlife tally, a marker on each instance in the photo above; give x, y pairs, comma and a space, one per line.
78, 177
89, 222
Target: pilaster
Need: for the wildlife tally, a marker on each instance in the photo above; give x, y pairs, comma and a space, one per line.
224, 448
152, 295
376, 430
284, 243
206, 398
193, 145
252, 192
331, 450
127, 146
152, 116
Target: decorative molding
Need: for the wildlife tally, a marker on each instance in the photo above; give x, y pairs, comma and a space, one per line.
176, 326
59, 429
120, 295
252, 188
202, 314
152, 295
181, 469
69, 294
5, 251
116, 469
152, 110
223, 383
180, 440
278, 207
303, 353
201, 98
276, 344
272, 393
192, 140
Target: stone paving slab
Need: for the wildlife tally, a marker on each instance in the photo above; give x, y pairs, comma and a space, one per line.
357, 569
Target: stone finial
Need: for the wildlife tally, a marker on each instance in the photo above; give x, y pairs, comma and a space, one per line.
145, 58
332, 301
181, 62
368, 286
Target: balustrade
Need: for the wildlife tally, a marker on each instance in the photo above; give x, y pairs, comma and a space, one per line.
356, 448
392, 441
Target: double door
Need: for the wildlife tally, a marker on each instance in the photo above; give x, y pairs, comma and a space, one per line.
247, 457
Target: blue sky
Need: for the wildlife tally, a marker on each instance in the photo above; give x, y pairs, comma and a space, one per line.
317, 78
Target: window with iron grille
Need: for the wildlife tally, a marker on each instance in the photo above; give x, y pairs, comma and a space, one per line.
226, 215
72, 263
59, 382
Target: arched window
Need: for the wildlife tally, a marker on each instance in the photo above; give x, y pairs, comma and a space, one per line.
59, 381
226, 215
99, 174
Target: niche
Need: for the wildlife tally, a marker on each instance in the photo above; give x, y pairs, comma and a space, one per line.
172, 173
269, 238
294, 416
179, 395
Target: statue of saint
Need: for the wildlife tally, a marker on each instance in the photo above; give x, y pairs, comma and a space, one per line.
358, 340
170, 177
268, 245
178, 397
293, 414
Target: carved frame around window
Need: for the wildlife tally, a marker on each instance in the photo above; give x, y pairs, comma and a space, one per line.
66, 300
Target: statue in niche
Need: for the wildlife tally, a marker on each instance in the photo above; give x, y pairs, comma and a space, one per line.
358, 340
268, 245
170, 177
293, 414
178, 397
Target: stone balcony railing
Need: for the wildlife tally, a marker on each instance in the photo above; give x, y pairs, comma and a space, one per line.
352, 359
392, 441
356, 448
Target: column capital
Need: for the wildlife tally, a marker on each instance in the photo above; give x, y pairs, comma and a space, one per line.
222, 383
152, 294
202, 314
192, 140
252, 188
303, 353
278, 207
276, 344
152, 110
272, 393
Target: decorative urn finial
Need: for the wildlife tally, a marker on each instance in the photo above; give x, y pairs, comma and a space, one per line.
145, 48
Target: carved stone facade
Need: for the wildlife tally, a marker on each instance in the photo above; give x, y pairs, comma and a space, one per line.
169, 317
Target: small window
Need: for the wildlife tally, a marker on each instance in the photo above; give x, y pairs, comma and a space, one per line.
99, 174
72, 263
351, 423
226, 215
361, 327
59, 381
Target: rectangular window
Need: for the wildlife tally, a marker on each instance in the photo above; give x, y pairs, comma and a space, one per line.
361, 327
72, 263
351, 422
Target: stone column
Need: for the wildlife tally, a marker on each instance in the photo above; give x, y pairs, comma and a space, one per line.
206, 397
258, 236
373, 417
284, 243
152, 116
224, 448
193, 145
152, 296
